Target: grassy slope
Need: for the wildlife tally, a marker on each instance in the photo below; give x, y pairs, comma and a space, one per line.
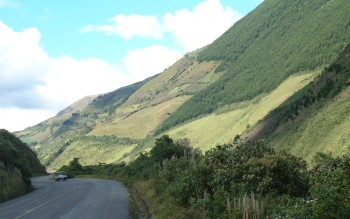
324, 125
92, 152
141, 123
173, 81
155, 101
219, 128
319, 130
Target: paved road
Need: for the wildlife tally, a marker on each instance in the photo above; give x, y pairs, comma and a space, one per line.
74, 198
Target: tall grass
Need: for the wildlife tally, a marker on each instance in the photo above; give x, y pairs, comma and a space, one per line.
11, 182
246, 207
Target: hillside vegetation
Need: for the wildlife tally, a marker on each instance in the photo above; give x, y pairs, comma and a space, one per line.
17, 164
210, 95
317, 117
94, 150
131, 112
239, 180
276, 40
140, 123
227, 122
51, 137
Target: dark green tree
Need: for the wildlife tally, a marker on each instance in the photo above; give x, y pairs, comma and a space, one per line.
330, 188
165, 148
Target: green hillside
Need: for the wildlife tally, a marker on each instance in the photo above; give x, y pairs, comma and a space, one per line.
51, 137
210, 95
315, 119
17, 153
17, 164
227, 122
135, 118
278, 39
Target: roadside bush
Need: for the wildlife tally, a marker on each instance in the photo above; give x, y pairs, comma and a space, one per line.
11, 182
236, 181
330, 186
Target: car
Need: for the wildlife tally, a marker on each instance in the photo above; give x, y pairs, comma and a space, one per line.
60, 175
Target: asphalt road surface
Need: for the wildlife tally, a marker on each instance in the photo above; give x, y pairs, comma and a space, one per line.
74, 198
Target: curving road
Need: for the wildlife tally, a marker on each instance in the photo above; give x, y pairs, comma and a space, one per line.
74, 198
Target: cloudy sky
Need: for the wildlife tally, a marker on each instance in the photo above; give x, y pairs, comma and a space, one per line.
53, 53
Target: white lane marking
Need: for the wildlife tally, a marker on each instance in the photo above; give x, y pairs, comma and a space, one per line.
45, 203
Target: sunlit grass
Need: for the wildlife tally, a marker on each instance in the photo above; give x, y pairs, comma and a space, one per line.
91, 153
222, 127
141, 123
317, 129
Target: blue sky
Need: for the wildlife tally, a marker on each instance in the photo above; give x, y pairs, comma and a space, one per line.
53, 53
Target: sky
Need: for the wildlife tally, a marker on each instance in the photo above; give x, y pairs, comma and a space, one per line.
53, 53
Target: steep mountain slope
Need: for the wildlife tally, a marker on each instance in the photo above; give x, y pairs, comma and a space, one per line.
222, 126
210, 95
129, 126
278, 39
77, 106
316, 118
13, 151
150, 105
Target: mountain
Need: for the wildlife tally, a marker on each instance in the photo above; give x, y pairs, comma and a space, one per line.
77, 106
51, 137
277, 40
210, 95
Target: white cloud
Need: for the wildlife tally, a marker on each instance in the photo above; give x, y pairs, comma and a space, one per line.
130, 26
197, 28
35, 86
69, 79
22, 64
143, 63
16, 119
191, 29
31, 79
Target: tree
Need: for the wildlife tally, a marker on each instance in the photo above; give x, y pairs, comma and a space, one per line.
280, 173
165, 148
75, 165
74, 168
330, 186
